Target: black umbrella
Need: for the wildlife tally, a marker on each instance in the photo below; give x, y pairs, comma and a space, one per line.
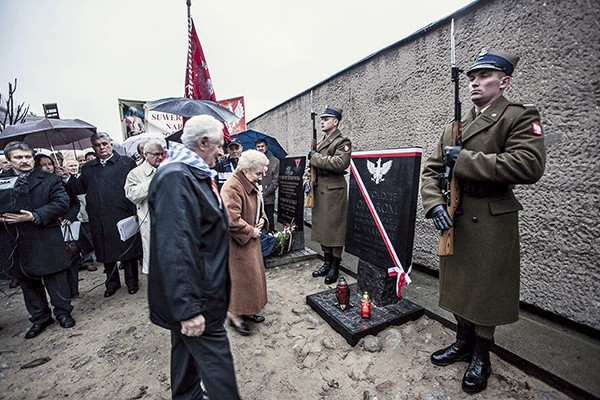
189, 108
48, 132
249, 137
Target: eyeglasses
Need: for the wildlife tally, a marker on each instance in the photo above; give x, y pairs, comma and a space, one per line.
156, 154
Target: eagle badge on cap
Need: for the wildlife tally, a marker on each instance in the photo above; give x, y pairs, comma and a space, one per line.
483, 52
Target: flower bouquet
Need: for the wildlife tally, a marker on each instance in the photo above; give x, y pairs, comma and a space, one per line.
283, 239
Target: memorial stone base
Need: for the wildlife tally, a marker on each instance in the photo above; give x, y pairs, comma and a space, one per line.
349, 323
297, 240
375, 280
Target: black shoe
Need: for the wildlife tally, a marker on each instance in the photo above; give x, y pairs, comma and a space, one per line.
480, 368
14, 283
334, 271
66, 321
460, 350
257, 319
132, 290
243, 329
457, 351
324, 269
110, 292
36, 329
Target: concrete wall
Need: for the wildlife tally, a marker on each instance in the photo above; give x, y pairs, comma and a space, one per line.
402, 96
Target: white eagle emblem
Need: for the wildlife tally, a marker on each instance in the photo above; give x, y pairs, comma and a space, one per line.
378, 170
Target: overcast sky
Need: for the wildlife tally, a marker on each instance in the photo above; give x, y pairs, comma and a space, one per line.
86, 54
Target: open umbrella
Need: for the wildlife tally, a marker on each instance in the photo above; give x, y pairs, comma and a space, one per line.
249, 137
189, 108
131, 142
48, 132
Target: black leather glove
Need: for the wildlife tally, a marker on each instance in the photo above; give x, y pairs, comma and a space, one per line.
310, 154
451, 154
440, 218
306, 187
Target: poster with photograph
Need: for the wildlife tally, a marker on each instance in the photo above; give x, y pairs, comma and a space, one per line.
133, 117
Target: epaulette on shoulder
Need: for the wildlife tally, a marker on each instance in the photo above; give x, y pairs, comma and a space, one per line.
524, 105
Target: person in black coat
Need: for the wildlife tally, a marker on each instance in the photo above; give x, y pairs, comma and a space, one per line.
188, 281
47, 164
103, 180
31, 243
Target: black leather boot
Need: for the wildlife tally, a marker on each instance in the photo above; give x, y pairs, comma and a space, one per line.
334, 271
324, 270
480, 368
461, 350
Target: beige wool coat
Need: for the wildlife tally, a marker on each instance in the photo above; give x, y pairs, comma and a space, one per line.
246, 266
502, 147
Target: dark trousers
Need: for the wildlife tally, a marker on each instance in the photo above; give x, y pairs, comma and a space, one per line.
205, 359
85, 242
486, 332
130, 268
270, 211
36, 302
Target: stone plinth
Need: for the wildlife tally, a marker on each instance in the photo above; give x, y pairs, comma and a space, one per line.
349, 323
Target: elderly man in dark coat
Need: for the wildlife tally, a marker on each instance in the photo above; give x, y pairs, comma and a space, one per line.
330, 160
502, 145
188, 283
31, 242
103, 180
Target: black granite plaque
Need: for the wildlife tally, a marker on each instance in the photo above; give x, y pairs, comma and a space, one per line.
391, 180
349, 323
290, 206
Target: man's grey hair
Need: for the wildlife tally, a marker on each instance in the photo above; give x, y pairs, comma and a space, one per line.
199, 127
251, 159
16, 145
100, 135
151, 143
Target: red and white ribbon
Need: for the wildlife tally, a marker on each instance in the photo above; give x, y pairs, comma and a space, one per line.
403, 278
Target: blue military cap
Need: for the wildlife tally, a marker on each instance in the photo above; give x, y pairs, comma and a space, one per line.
331, 111
495, 59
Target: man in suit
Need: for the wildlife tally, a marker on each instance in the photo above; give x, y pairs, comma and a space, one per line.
188, 283
269, 182
32, 249
502, 145
103, 180
330, 160
136, 190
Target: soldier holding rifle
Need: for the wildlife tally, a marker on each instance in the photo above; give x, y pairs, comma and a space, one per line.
501, 145
329, 160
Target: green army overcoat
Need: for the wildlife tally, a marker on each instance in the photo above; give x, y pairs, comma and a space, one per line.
332, 158
502, 147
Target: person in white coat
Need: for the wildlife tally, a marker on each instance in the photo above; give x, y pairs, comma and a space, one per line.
136, 190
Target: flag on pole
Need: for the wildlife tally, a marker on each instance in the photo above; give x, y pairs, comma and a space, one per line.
198, 85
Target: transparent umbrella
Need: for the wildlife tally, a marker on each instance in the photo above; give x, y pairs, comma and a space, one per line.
189, 108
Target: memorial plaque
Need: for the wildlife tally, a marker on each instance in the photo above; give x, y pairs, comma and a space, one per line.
290, 205
382, 202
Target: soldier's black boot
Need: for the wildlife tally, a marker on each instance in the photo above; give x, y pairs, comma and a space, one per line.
334, 271
461, 350
324, 270
480, 368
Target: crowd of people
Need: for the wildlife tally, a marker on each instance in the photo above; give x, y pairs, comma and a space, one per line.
201, 214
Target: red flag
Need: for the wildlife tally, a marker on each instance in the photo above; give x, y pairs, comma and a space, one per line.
198, 85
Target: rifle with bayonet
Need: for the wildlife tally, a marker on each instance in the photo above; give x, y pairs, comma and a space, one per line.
309, 200
448, 180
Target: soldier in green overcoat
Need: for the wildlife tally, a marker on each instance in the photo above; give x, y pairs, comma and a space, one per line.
330, 161
502, 145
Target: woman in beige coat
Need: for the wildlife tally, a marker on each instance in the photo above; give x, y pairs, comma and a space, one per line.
242, 198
